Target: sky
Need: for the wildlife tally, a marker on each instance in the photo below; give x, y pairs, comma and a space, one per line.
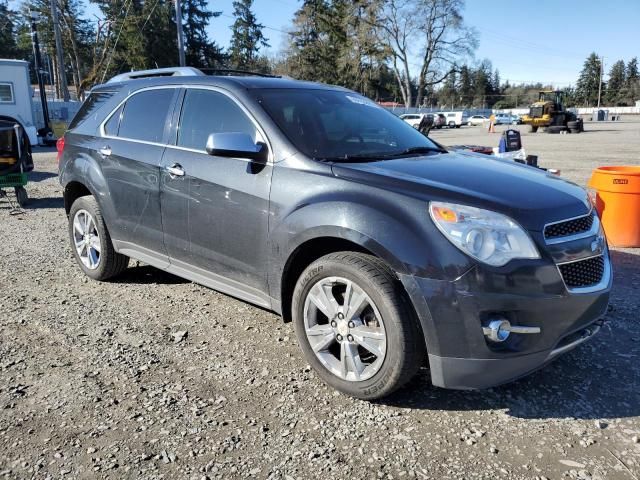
526, 40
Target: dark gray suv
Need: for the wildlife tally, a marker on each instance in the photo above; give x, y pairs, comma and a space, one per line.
381, 246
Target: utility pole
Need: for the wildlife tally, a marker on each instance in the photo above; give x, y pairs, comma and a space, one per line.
62, 79
38, 65
600, 82
180, 37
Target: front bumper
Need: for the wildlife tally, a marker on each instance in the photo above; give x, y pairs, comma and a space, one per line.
533, 294
479, 373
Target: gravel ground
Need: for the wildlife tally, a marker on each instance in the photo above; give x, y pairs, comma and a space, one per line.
151, 376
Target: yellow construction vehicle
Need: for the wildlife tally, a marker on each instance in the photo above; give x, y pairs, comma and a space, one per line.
548, 112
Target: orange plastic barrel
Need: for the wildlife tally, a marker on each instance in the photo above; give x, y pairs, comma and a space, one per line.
618, 203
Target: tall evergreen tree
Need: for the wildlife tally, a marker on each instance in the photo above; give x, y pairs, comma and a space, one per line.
310, 51
589, 81
8, 27
465, 87
448, 95
201, 51
246, 37
615, 85
632, 83
632, 74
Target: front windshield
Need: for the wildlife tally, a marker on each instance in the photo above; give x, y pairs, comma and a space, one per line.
336, 125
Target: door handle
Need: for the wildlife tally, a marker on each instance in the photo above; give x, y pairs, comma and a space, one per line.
175, 170
105, 151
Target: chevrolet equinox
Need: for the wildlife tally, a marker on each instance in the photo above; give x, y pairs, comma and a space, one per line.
381, 246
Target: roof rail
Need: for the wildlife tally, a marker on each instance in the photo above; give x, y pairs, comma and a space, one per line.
231, 71
157, 72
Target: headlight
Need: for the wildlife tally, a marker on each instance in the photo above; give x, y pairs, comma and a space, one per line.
487, 236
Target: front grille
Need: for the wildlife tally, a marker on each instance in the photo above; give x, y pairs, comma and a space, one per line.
583, 273
569, 227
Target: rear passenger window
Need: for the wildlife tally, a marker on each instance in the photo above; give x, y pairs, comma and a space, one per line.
145, 114
205, 112
90, 107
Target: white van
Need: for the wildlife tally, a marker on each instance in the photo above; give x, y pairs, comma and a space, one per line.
456, 119
16, 96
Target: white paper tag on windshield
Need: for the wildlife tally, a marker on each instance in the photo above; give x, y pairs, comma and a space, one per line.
361, 101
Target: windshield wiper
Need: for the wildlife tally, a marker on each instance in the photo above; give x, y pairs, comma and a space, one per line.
364, 157
375, 156
422, 149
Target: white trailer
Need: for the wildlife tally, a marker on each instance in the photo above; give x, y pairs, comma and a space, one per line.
16, 96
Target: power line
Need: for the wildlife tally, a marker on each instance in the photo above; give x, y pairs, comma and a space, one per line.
531, 46
126, 13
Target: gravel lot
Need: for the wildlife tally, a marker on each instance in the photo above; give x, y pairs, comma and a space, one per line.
97, 380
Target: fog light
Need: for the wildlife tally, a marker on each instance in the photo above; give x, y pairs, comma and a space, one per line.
498, 330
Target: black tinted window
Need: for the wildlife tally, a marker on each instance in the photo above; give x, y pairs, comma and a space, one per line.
90, 106
331, 124
111, 127
205, 112
145, 114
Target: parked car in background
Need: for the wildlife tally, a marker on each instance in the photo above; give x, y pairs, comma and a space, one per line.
439, 120
477, 120
379, 245
413, 119
456, 119
506, 119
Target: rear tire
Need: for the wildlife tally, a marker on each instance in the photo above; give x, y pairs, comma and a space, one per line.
92, 248
383, 310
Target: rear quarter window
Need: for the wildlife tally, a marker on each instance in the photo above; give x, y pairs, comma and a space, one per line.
89, 109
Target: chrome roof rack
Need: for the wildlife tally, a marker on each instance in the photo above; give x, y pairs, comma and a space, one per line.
157, 72
232, 72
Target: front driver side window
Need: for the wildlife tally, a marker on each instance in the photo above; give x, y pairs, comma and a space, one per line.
205, 112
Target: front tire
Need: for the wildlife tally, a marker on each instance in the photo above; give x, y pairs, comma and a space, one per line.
355, 325
91, 242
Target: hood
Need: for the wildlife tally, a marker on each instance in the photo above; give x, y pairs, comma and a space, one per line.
529, 195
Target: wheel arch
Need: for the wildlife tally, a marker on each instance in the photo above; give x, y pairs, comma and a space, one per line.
315, 247
72, 191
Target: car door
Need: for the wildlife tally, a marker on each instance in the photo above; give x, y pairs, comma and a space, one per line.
215, 209
131, 147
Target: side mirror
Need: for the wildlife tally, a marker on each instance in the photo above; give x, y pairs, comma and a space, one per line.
238, 145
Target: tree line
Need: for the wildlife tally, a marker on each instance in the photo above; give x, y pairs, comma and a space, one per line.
621, 89
414, 52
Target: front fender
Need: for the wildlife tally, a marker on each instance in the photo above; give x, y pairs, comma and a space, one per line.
397, 232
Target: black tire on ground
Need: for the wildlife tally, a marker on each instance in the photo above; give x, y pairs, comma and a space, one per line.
574, 130
111, 263
555, 129
458, 126
534, 128
572, 125
405, 351
21, 196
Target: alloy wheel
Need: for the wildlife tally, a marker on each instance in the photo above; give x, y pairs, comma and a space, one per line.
345, 329
86, 239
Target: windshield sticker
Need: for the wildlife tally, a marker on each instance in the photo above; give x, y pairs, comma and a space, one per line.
361, 101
